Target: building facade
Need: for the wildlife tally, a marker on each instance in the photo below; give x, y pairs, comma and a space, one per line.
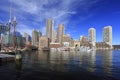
53, 36
83, 39
44, 42
60, 33
11, 40
35, 37
107, 35
92, 36
49, 28
66, 40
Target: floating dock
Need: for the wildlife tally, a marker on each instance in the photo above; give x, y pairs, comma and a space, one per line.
6, 57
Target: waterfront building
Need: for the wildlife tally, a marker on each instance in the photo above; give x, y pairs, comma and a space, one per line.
35, 37
74, 43
83, 39
66, 40
9, 39
107, 35
92, 36
102, 45
44, 42
53, 36
60, 33
3, 29
55, 45
49, 28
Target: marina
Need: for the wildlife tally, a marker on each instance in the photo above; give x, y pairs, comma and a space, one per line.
59, 40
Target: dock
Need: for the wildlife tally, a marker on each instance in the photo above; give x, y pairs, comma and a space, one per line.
6, 57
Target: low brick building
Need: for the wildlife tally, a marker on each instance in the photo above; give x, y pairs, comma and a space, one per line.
55, 45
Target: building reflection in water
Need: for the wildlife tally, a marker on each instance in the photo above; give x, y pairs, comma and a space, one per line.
91, 61
58, 60
69, 61
64, 60
87, 60
107, 61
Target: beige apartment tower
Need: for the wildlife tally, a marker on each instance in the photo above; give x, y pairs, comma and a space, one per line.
60, 33
107, 35
49, 27
92, 35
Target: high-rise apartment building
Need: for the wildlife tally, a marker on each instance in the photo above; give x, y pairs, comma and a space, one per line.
107, 35
60, 33
92, 35
49, 27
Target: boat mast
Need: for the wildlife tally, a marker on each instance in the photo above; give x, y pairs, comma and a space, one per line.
9, 25
15, 38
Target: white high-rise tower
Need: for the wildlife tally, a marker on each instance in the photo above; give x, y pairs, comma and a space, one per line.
107, 35
92, 35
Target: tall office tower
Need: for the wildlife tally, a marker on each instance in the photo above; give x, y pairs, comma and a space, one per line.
60, 33
53, 36
92, 36
107, 35
49, 26
35, 37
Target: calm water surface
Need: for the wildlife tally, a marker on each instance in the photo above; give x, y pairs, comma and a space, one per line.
54, 65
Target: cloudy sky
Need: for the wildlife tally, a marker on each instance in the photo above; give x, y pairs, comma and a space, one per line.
77, 15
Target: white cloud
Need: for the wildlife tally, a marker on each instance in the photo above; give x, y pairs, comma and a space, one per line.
24, 28
36, 11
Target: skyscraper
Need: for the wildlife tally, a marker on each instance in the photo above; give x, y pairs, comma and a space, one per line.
60, 33
92, 36
49, 26
35, 37
107, 35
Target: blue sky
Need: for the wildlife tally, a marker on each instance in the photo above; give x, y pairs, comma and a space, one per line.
77, 15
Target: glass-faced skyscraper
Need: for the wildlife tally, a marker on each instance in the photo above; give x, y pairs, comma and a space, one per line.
107, 35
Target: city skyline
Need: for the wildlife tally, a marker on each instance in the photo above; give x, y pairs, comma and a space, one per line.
77, 18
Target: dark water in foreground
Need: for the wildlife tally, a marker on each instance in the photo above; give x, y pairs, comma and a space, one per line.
99, 65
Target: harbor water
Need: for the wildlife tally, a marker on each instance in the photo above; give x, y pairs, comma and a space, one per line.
63, 65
